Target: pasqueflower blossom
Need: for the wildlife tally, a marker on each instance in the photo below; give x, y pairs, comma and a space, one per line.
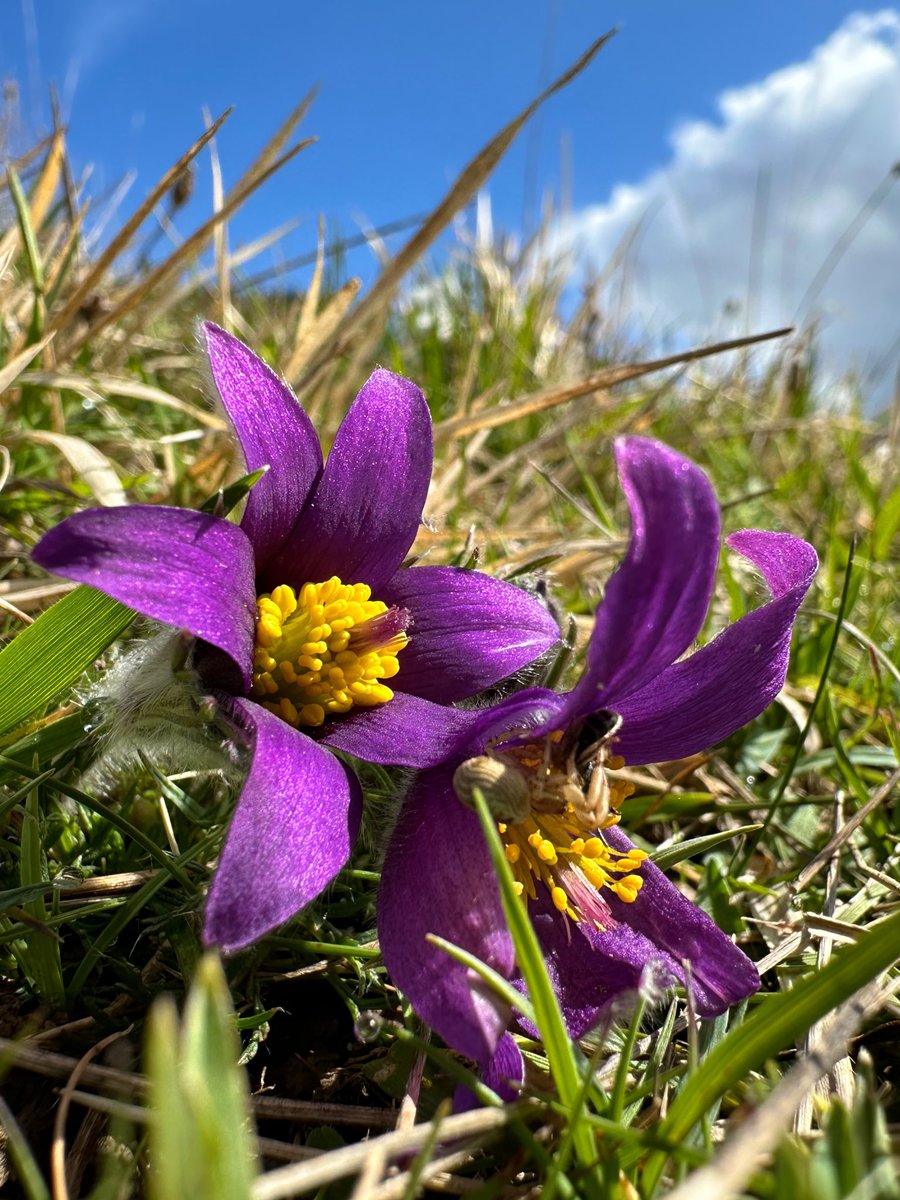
602, 910
308, 633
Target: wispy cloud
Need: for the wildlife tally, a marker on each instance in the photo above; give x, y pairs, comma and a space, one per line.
749, 219
103, 29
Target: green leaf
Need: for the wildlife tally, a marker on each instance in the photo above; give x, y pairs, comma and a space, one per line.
699, 845
221, 503
50, 654
776, 1024
201, 1136
887, 522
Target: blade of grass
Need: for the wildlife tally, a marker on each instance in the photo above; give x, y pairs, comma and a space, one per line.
41, 952
609, 377
461, 192
549, 1018
53, 651
504, 989
20, 1156
201, 1135
699, 845
26, 229
189, 248
776, 1024
129, 229
16, 365
48, 181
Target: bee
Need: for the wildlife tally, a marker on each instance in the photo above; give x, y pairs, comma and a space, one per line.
587, 754
570, 773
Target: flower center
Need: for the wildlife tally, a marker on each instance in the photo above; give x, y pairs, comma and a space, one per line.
325, 650
550, 824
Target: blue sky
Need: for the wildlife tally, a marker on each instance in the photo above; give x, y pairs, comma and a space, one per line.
409, 91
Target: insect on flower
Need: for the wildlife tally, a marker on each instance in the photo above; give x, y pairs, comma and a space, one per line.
569, 775
603, 912
586, 762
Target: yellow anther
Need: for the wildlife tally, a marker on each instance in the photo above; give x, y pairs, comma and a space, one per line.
307, 664
559, 898
547, 852
627, 889
513, 853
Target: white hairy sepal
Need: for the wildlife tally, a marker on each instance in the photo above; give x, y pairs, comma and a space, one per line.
151, 705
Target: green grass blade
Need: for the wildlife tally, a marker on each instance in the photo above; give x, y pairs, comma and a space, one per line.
130, 908
501, 986
201, 1137
29, 241
699, 845
50, 654
21, 1158
549, 1018
776, 1024
41, 950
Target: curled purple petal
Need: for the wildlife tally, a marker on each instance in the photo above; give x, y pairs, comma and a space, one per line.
656, 601
592, 972
274, 431
518, 717
467, 632
437, 878
293, 829
187, 569
363, 516
720, 973
702, 700
504, 1073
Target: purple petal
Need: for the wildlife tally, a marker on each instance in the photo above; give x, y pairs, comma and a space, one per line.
517, 718
273, 430
698, 702
468, 631
363, 516
656, 601
405, 732
293, 829
720, 973
504, 1073
437, 878
411, 732
591, 971
186, 569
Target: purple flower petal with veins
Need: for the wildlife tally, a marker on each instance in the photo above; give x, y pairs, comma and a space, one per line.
301, 613
607, 918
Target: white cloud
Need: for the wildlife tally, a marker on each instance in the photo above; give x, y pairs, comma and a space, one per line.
102, 30
795, 156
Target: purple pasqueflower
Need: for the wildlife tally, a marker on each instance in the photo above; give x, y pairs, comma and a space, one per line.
603, 912
300, 613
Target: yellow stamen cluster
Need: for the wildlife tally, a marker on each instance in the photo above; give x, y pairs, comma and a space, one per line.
552, 848
323, 651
